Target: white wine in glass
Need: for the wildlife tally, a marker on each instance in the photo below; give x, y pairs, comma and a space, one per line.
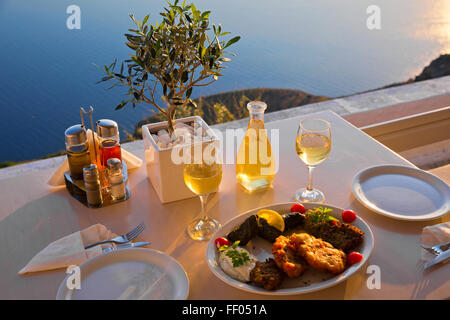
313, 145
203, 179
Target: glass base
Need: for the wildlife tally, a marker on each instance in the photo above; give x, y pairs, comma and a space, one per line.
202, 229
305, 195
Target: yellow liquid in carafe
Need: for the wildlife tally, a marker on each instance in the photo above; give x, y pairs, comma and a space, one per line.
255, 163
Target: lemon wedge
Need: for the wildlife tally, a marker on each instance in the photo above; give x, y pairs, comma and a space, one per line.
272, 217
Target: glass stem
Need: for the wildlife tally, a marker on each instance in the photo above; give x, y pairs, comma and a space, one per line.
203, 200
310, 178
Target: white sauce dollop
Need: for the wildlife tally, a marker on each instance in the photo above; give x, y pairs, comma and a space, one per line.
241, 273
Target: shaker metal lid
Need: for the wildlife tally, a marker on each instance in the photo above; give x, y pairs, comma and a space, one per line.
107, 128
114, 163
91, 168
75, 135
90, 173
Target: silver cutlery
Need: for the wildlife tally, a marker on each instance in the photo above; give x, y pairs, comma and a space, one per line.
121, 239
437, 249
129, 245
441, 248
430, 250
438, 259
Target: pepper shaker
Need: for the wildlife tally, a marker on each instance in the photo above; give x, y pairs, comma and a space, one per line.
92, 185
116, 178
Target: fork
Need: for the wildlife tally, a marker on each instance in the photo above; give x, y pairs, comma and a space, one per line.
437, 249
123, 238
441, 248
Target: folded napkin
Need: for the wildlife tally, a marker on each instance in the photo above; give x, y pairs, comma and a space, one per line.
433, 235
70, 250
57, 179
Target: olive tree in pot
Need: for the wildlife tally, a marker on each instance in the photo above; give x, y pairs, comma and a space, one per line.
171, 57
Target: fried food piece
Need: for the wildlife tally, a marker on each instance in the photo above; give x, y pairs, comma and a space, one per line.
267, 232
267, 275
286, 259
245, 232
319, 254
341, 235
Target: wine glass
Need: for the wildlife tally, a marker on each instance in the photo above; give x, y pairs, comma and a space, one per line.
203, 178
313, 145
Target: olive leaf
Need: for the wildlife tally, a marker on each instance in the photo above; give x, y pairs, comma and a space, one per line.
167, 55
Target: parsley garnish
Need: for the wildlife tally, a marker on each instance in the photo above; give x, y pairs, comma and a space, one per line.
320, 214
238, 258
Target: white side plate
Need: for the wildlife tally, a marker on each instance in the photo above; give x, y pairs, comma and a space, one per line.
403, 193
135, 273
311, 280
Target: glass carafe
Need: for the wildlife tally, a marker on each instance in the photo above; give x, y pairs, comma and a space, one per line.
255, 163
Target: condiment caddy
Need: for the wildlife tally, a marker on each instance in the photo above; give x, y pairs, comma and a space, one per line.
97, 175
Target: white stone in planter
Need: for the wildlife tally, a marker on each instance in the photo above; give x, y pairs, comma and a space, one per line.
166, 176
181, 125
163, 136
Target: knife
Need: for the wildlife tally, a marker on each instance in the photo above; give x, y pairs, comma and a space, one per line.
440, 258
129, 245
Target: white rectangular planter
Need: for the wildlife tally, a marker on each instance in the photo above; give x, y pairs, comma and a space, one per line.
166, 176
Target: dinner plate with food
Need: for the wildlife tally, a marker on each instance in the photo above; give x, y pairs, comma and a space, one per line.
290, 248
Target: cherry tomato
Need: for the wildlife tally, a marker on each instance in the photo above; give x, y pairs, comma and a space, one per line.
221, 242
297, 207
348, 216
354, 257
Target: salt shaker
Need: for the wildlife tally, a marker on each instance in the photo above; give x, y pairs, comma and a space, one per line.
116, 178
92, 185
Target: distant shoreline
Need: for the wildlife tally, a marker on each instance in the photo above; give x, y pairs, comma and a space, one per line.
280, 99
229, 106
439, 67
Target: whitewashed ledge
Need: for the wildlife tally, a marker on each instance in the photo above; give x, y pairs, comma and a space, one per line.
343, 106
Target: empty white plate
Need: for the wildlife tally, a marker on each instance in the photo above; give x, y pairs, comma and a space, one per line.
403, 193
135, 273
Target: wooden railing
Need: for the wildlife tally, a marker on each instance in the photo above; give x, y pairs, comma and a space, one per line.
412, 131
